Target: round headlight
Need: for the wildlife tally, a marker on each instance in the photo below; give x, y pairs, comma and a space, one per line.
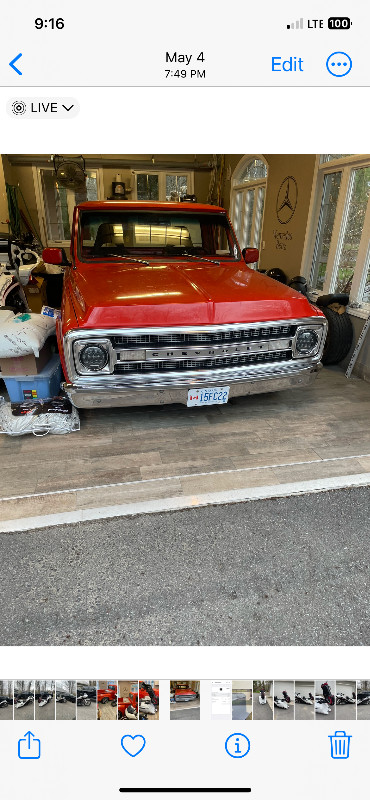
93, 357
306, 342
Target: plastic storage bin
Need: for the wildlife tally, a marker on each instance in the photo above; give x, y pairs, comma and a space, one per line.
36, 387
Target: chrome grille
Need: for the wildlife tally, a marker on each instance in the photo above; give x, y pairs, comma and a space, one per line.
206, 363
209, 337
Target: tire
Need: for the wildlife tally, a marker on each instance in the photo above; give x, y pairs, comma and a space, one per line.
339, 338
105, 700
120, 715
328, 299
114, 703
87, 702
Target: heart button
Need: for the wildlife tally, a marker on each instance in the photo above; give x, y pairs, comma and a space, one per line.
133, 745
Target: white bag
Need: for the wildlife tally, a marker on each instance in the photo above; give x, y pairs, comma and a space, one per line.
23, 334
38, 425
5, 314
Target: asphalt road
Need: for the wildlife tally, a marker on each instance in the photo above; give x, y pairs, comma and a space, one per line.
6, 712
45, 712
286, 571
284, 713
87, 712
261, 710
304, 712
185, 710
363, 712
65, 710
26, 712
345, 712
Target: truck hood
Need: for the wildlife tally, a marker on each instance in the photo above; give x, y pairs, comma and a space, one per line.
112, 295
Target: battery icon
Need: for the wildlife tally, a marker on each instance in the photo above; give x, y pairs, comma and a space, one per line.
339, 23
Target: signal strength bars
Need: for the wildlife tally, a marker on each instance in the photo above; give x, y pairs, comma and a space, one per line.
298, 24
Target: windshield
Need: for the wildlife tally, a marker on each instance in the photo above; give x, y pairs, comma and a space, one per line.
158, 234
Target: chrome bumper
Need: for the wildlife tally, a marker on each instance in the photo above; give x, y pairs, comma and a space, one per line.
100, 393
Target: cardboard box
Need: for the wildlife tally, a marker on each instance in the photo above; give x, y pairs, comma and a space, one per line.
27, 365
35, 292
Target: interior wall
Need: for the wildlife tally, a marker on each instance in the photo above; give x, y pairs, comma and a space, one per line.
284, 243
125, 687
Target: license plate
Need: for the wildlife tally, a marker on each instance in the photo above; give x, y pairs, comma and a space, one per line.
217, 395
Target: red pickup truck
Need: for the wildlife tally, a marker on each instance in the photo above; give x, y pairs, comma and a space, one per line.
106, 695
161, 306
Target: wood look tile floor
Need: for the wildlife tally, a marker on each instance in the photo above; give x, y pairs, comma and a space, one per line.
171, 450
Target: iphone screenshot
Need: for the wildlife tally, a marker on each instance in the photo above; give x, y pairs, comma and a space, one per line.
184, 400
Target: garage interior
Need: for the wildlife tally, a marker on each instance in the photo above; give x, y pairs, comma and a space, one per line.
130, 457
188, 709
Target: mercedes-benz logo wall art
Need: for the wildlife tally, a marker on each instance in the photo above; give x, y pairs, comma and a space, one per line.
286, 201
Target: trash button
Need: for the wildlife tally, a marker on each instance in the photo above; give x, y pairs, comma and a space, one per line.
340, 742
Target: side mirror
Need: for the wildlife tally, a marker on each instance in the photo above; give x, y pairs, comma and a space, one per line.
55, 255
250, 255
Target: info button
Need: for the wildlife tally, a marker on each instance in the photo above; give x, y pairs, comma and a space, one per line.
43, 107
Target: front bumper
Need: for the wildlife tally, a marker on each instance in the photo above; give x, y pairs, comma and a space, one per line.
104, 393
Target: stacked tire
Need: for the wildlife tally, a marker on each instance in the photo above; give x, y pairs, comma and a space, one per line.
340, 331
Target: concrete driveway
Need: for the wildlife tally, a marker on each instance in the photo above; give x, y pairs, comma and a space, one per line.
241, 709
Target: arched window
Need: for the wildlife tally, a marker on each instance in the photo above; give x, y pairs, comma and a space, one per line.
248, 190
254, 170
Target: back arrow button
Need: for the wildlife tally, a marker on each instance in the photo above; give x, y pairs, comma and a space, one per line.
12, 63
